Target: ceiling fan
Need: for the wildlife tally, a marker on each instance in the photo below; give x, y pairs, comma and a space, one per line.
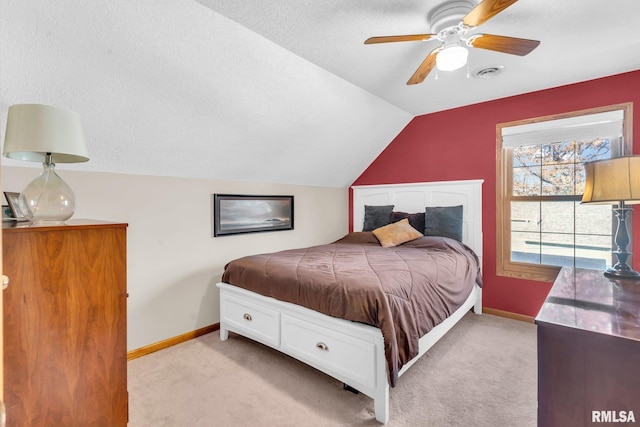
451, 22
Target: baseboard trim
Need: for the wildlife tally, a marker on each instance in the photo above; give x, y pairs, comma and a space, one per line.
169, 342
508, 314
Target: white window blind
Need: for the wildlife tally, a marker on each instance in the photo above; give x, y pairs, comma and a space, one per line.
580, 128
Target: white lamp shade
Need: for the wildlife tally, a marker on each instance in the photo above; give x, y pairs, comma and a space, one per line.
612, 181
451, 58
34, 130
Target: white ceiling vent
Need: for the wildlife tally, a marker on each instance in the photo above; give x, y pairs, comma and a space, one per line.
488, 72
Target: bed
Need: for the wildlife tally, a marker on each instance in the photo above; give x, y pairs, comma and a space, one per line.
355, 351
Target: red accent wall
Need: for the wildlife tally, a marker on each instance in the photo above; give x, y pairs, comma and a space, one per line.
461, 144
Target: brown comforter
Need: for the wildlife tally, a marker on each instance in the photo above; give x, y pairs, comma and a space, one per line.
404, 290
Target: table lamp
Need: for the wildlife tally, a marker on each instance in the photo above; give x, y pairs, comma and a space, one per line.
42, 133
615, 181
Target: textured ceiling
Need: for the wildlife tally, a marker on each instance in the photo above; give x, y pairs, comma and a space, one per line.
274, 91
580, 40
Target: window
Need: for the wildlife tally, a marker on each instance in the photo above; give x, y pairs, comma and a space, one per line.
541, 225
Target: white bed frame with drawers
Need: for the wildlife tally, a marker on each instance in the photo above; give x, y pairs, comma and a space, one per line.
353, 352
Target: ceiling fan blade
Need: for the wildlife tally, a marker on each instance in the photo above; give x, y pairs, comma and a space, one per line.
485, 10
425, 68
391, 39
512, 45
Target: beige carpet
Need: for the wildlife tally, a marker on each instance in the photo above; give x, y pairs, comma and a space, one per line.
483, 373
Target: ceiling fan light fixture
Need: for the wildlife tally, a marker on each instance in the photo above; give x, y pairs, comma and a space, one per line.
449, 23
452, 58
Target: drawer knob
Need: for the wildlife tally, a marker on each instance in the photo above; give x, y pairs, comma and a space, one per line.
322, 346
247, 317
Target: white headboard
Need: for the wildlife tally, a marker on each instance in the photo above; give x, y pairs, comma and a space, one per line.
414, 197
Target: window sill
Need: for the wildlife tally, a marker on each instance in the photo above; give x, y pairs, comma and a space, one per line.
539, 273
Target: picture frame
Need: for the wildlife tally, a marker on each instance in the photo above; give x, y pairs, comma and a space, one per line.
17, 209
241, 213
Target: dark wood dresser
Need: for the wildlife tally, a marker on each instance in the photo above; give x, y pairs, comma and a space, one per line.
589, 350
65, 324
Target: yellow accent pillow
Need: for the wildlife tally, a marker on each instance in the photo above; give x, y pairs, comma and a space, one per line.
396, 234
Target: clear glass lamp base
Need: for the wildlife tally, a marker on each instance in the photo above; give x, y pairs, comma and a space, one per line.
48, 199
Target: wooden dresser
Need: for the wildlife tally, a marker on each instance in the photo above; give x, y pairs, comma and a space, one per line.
589, 350
65, 327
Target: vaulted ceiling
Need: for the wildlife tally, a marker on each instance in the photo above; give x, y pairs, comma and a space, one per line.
281, 90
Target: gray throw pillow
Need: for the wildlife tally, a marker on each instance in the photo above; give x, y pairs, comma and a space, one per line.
415, 219
376, 216
445, 221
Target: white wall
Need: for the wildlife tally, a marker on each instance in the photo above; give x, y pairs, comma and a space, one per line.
173, 260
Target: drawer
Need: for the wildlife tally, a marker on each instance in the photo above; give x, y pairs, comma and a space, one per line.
251, 320
339, 355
